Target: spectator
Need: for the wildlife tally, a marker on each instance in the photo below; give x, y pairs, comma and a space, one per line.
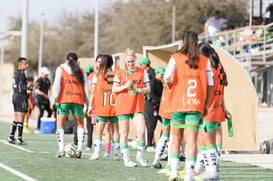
270, 10
214, 25
43, 84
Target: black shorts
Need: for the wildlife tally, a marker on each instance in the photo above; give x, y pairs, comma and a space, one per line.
20, 103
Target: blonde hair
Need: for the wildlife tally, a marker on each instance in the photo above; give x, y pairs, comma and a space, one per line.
128, 52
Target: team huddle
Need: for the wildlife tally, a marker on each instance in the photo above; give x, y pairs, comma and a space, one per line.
191, 107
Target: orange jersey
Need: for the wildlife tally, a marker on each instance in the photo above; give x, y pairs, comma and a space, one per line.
216, 111
71, 91
129, 104
164, 104
104, 98
189, 88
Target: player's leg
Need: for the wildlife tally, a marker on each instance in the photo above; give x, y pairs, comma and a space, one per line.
178, 118
116, 137
162, 143
124, 126
100, 126
62, 113
139, 122
192, 120
107, 139
77, 112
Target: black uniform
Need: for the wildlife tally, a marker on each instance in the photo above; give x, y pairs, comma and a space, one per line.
152, 107
19, 100
43, 103
19, 97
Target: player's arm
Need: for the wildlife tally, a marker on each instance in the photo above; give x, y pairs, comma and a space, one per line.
209, 92
227, 113
117, 87
169, 72
91, 100
146, 86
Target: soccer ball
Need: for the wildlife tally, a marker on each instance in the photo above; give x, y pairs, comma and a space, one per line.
70, 151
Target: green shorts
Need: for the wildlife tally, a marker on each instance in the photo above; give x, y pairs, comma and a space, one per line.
76, 109
111, 119
166, 122
128, 116
208, 126
193, 117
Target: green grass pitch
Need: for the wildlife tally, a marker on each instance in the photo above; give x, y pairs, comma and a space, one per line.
37, 160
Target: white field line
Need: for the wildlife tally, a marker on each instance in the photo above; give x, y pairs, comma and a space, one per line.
18, 147
17, 173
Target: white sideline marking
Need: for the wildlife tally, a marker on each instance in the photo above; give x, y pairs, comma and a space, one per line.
17, 173
18, 147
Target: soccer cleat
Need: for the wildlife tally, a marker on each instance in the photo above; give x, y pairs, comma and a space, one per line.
130, 163
173, 177
12, 140
21, 142
209, 176
150, 149
156, 166
141, 161
78, 154
116, 157
88, 148
95, 156
106, 154
195, 173
60, 154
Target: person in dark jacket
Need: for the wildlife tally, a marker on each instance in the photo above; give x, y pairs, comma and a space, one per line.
152, 105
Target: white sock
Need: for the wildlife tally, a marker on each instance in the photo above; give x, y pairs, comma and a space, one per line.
97, 144
140, 151
199, 161
80, 136
190, 162
205, 157
116, 146
174, 166
160, 147
169, 149
212, 160
125, 153
60, 138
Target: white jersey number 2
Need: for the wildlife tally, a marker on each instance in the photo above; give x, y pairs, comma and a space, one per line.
190, 90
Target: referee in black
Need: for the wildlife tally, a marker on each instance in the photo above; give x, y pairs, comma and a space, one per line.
19, 100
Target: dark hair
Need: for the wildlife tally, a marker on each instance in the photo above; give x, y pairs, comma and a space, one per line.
189, 47
20, 59
30, 79
217, 12
106, 63
76, 70
206, 50
98, 57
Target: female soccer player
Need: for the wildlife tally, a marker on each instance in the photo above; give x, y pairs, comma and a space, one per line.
102, 104
70, 92
216, 113
130, 84
191, 91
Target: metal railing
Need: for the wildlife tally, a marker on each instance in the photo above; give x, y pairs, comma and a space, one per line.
252, 44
